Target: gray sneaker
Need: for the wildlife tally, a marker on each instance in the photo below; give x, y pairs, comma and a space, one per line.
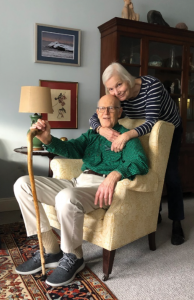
33, 265
68, 267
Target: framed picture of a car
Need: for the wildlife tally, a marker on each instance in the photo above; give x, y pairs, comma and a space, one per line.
57, 45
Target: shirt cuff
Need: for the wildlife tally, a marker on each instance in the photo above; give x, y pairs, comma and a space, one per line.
50, 144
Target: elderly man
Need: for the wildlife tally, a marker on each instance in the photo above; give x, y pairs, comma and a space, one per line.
94, 188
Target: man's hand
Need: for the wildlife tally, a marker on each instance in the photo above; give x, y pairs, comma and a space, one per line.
109, 134
44, 134
121, 140
105, 191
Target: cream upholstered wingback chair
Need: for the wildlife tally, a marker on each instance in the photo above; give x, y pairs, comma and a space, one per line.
134, 210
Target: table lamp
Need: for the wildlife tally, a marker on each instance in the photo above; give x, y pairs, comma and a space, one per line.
37, 100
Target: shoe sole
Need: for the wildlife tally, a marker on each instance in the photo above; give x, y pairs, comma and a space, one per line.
68, 281
50, 265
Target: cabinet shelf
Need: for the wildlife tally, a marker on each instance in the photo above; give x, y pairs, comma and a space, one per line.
131, 65
173, 70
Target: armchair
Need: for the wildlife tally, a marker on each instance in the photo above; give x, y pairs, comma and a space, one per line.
134, 210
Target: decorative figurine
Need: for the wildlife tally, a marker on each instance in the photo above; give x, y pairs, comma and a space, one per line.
181, 26
155, 17
128, 12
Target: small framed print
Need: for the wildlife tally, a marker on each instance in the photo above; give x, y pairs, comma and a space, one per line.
57, 45
64, 97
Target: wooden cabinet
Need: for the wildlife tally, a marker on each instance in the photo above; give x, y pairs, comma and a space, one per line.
163, 52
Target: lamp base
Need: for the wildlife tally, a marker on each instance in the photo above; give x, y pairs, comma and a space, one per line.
36, 143
38, 149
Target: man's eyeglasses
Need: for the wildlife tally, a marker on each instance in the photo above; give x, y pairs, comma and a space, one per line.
109, 108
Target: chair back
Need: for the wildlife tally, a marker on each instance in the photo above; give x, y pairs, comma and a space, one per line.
156, 144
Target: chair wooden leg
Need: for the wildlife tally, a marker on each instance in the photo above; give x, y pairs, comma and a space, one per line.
108, 259
151, 240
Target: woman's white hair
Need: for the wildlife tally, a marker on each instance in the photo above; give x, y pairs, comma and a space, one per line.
117, 69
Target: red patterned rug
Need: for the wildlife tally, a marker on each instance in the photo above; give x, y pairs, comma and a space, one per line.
16, 248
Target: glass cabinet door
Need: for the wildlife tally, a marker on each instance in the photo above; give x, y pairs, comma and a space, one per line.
165, 63
129, 54
190, 100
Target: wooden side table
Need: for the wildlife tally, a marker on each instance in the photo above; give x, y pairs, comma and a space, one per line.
24, 150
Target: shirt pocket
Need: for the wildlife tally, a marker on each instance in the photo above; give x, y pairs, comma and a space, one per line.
92, 158
113, 157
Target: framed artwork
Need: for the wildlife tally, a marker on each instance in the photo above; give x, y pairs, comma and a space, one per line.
64, 102
57, 45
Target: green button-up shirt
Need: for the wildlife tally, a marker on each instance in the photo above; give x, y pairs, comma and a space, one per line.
95, 151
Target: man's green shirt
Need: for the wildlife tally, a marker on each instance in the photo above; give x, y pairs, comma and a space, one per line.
95, 151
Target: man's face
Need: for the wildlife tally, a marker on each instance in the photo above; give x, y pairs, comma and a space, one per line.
109, 111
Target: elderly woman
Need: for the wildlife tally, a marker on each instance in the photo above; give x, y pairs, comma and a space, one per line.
146, 98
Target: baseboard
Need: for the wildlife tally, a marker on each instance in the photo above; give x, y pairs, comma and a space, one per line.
8, 204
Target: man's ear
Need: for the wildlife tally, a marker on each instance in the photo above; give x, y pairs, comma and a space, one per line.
120, 112
97, 111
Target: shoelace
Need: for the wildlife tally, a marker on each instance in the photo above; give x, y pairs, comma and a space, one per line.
66, 261
36, 256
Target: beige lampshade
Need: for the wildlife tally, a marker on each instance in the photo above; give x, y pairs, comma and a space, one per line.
35, 99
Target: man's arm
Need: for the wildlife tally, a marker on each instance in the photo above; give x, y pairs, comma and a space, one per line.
106, 189
72, 149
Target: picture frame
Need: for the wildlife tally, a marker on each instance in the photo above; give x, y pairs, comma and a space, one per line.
57, 45
64, 97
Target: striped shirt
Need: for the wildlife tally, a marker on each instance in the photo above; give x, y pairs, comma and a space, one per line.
153, 103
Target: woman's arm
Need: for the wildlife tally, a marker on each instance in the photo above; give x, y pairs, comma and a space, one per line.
108, 133
94, 122
119, 143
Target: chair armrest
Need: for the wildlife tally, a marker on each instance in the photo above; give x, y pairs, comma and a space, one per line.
133, 212
142, 183
66, 168
129, 192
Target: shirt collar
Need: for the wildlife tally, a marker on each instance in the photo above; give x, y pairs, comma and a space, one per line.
117, 126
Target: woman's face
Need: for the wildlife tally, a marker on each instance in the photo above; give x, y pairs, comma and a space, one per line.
118, 87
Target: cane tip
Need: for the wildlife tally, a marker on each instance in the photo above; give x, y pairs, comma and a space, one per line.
43, 277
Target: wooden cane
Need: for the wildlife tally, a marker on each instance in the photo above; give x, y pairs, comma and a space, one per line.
31, 134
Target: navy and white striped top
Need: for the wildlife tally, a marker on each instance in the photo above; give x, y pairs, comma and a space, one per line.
153, 103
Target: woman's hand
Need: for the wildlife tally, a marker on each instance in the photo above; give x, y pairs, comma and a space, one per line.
120, 141
105, 191
109, 134
44, 134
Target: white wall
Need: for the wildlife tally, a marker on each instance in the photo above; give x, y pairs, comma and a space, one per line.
17, 67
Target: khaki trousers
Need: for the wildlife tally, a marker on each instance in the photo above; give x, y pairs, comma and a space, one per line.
71, 199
